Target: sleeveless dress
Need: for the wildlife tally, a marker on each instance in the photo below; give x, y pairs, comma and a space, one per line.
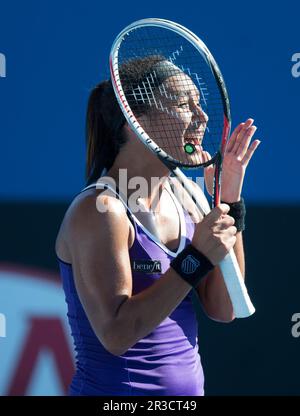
166, 362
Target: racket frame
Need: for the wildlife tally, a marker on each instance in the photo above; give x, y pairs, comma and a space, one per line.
242, 305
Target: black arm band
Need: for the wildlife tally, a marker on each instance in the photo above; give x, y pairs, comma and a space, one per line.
191, 265
238, 212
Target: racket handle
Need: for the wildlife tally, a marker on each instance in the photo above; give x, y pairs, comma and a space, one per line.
241, 303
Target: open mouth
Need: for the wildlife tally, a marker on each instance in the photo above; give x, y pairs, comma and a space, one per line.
196, 141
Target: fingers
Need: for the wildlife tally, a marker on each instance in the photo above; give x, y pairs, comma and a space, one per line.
217, 242
237, 134
229, 231
233, 137
243, 136
249, 153
222, 250
216, 234
245, 141
238, 145
216, 213
224, 223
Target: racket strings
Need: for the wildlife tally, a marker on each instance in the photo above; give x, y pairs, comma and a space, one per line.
162, 75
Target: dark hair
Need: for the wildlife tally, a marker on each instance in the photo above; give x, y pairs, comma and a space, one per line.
104, 118
104, 121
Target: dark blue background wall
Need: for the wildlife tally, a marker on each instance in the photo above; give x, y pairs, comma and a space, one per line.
55, 52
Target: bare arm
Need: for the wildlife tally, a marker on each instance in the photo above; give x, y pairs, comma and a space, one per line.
102, 272
212, 291
239, 150
99, 244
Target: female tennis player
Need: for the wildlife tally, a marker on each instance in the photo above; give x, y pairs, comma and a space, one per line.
128, 273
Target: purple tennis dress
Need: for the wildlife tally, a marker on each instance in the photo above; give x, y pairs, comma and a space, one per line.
166, 362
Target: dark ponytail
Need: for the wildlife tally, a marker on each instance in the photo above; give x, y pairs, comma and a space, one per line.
104, 119
104, 138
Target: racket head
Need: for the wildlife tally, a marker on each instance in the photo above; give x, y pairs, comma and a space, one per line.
189, 54
159, 98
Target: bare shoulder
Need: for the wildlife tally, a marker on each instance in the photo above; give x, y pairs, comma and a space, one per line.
90, 211
96, 232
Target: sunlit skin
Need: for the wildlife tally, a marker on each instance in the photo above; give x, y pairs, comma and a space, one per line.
186, 122
139, 161
238, 154
181, 121
118, 317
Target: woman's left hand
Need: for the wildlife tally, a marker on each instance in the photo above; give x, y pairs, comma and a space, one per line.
237, 155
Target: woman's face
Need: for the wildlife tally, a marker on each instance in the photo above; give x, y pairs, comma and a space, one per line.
176, 118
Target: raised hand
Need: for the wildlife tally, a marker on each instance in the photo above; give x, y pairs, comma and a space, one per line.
215, 235
237, 155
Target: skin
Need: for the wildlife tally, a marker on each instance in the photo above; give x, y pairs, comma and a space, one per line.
100, 259
238, 153
184, 121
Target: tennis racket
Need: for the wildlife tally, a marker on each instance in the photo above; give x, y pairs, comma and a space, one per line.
173, 96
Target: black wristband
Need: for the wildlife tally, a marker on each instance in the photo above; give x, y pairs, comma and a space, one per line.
238, 212
191, 265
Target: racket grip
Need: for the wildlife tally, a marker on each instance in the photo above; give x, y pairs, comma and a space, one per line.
241, 303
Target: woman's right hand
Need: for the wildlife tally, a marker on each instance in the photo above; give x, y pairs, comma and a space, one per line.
215, 236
